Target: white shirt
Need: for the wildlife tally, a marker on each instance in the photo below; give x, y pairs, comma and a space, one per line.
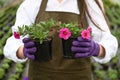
28, 11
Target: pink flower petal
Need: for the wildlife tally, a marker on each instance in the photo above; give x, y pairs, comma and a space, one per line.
89, 28
85, 34
16, 35
64, 33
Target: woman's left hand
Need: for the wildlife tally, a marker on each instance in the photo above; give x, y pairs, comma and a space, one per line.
85, 48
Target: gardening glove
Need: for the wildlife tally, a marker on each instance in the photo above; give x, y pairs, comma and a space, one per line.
29, 48
85, 48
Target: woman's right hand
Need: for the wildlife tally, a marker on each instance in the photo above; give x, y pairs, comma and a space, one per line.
29, 48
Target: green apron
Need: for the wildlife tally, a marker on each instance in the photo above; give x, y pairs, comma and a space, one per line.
59, 68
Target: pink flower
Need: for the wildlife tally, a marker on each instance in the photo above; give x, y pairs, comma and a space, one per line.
64, 33
16, 35
85, 34
89, 28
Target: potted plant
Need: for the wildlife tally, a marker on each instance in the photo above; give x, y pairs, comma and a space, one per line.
42, 34
69, 32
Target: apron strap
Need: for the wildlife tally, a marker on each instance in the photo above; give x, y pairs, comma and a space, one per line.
42, 9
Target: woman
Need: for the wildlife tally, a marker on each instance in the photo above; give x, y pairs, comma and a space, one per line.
102, 47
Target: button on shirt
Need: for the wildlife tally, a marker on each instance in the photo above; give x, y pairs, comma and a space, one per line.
28, 11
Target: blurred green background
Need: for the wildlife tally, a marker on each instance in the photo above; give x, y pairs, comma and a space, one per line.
14, 71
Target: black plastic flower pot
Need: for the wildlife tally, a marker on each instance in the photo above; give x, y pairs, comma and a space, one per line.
44, 51
66, 45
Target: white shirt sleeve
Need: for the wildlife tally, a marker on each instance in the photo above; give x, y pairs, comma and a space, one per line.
11, 47
25, 16
104, 38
